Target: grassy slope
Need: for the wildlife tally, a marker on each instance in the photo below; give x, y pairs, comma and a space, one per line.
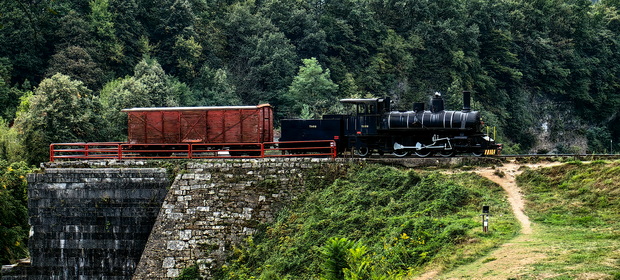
575, 209
399, 219
578, 208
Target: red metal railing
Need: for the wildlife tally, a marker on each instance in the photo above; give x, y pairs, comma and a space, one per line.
104, 150
119, 151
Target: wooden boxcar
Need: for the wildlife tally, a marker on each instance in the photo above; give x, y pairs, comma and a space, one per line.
171, 125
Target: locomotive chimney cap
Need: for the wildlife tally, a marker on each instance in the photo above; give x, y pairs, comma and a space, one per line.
437, 94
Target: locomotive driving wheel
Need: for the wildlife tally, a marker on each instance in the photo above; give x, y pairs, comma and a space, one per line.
477, 153
423, 153
447, 153
401, 153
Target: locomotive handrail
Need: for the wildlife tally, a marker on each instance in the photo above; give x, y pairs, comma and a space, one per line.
121, 150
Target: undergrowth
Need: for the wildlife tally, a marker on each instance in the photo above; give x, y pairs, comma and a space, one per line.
375, 222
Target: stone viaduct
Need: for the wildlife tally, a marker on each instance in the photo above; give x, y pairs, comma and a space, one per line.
137, 220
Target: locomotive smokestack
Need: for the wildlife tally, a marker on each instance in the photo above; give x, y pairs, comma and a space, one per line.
418, 107
466, 101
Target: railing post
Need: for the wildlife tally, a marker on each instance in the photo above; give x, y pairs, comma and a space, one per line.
86, 145
120, 151
52, 152
190, 150
262, 150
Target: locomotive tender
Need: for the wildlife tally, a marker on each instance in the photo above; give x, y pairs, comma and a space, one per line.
376, 128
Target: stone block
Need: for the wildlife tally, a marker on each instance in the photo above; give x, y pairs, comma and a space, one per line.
172, 273
168, 262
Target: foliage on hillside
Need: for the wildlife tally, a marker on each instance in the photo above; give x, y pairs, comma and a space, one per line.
545, 72
376, 222
13, 211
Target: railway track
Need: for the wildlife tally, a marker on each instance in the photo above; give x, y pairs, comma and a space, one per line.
518, 156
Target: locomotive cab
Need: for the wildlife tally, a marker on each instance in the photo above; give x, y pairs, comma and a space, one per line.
363, 129
367, 117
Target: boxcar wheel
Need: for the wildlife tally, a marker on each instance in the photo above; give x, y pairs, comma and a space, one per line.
363, 152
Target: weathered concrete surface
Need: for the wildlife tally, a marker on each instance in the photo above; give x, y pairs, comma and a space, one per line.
91, 223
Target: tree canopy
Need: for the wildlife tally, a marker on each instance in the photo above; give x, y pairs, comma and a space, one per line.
540, 70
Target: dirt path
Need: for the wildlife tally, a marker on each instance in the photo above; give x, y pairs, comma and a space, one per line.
512, 258
509, 184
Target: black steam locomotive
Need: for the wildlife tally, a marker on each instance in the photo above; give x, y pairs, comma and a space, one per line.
376, 128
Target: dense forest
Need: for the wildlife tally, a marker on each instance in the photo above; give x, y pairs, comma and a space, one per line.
545, 73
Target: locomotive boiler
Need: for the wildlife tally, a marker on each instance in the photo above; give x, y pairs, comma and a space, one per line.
374, 127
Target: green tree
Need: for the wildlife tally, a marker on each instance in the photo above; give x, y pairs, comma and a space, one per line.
150, 86
171, 24
10, 147
188, 53
129, 29
13, 211
9, 95
105, 47
23, 36
259, 56
76, 63
390, 66
213, 87
60, 110
299, 23
313, 87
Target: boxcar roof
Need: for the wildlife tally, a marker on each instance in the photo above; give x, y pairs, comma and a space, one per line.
203, 108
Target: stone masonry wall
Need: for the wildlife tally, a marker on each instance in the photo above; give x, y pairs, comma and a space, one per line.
216, 204
92, 223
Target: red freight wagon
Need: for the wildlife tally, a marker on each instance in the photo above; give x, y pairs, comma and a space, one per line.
171, 125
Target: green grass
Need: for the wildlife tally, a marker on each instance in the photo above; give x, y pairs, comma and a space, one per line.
376, 222
575, 252
578, 205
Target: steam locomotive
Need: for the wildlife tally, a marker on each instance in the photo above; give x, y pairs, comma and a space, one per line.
247, 131
376, 128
